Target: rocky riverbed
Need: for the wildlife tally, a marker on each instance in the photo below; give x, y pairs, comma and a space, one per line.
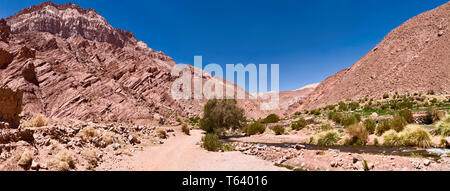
333, 160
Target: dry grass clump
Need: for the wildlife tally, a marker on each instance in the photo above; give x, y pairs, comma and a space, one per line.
391, 138
358, 134
108, 137
91, 157
411, 136
162, 134
87, 133
185, 129
416, 136
36, 121
63, 161
25, 159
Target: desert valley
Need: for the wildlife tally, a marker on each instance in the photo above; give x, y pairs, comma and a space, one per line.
78, 94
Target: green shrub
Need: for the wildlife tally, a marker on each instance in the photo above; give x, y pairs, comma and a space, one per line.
329, 138
407, 115
222, 114
430, 92
255, 128
336, 117
434, 101
162, 134
211, 142
342, 106
300, 124
297, 113
385, 96
326, 127
315, 112
185, 129
353, 106
272, 118
228, 147
376, 142
415, 136
358, 134
279, 130
391, 138
383, 126
349, 119
370, 125
366, 167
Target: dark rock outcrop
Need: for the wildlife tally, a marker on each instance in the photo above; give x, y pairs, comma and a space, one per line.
5, 30
10, 106
5, 58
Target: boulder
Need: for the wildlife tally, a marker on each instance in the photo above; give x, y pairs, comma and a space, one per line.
10, 106
27, 53
29, 73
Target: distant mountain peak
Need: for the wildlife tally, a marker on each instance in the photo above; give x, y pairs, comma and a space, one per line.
68, 20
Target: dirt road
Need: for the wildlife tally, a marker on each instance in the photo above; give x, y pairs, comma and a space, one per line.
183, 153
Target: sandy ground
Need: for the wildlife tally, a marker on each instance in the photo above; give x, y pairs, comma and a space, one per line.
183, 153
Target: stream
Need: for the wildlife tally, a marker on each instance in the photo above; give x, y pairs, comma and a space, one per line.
368, 149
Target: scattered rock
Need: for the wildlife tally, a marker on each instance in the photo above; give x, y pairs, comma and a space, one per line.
35, 165
26, 53
11, 106
426, 162
357, 158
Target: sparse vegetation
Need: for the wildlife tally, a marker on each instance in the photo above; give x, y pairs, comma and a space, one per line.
91, 157
211, 142
326, 127
63, 161
87, 133
185, 129
36, 121
162, 134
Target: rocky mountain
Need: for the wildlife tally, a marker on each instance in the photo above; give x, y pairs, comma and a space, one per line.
70, 63
415, 57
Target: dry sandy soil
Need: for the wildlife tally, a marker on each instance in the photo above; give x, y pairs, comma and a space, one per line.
183, 153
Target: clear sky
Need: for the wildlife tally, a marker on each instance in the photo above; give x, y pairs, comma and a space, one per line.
310, 40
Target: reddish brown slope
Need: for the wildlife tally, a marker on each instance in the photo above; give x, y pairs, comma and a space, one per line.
413, 57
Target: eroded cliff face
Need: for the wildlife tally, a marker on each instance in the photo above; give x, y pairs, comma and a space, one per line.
71, 63
10, 108
415, 57
68, 20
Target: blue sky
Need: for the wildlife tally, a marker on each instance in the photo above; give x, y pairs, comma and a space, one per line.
310, 40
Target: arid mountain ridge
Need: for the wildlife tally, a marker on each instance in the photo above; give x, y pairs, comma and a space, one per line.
72, 64
414, 57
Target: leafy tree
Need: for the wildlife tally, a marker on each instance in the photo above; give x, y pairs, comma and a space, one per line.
221, 114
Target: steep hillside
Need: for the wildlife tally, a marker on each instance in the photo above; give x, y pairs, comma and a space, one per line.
414, 57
